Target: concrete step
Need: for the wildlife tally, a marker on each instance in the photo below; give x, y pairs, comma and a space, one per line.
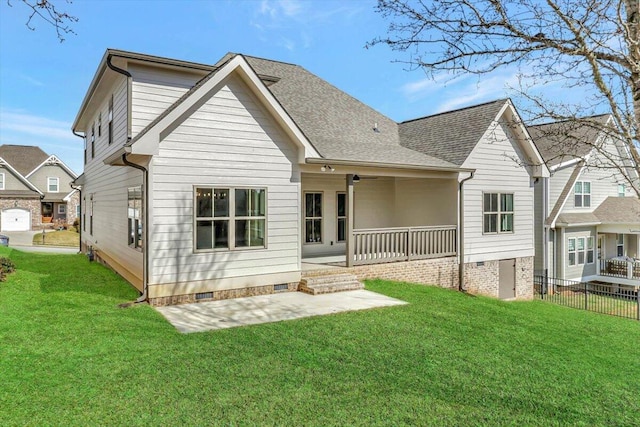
330, 284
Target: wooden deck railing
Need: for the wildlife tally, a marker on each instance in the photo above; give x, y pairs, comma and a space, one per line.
379, 245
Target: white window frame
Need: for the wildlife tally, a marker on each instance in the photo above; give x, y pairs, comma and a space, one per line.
621, 190
135, 218
582, 194
619, 244
571, 251
499, 213
339, 217
231, 218
110, 121
78, 210
57, 184
313, 218
62, 209
2, 180
590, 249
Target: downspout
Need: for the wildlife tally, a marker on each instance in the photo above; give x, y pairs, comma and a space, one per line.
145, 225
80, 195
461, 233
129, 78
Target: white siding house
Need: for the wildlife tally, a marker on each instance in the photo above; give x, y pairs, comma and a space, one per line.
589, 224
218, 181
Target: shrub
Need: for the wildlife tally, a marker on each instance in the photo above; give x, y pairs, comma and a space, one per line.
6, 265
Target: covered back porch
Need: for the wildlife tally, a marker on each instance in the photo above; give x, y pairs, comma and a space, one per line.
377, 216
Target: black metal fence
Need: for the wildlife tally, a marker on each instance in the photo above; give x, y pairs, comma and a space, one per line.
607, 298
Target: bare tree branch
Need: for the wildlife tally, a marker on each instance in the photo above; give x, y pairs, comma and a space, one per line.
46, 11
588, 44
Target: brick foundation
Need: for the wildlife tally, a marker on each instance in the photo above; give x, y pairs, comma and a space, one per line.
33, 205
484, 279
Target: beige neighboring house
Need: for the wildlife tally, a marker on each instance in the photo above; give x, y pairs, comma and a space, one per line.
253, 176
35, 190
587, 215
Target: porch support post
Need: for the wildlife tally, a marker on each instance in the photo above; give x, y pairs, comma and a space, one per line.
350, 240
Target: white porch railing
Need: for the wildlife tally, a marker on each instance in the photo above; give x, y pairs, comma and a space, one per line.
620, 268
379, 245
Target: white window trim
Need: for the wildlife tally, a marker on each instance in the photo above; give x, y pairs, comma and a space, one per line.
305, 217
62, 209
622, 189
338, 217
618, 245
582, 194
231, 218
2, 183
574, 251
499, 213
57, 180
585, 251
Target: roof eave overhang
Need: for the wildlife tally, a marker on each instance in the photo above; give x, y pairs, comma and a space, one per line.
538, 167
576, 224
358, 163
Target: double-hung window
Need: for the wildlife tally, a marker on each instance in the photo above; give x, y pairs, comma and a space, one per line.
53, 184
498, 213
230, 218
582, 194
313, 217
134, 216
621, 190
1, 181
620, 244
580, 250
342, 217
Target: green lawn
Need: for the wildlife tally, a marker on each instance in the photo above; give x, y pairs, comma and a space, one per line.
58, 238
70, 356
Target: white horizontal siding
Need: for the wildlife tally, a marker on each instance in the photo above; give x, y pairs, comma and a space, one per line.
153, 90
230, 141
498, 171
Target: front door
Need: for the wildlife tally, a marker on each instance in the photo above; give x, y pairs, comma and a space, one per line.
507, 279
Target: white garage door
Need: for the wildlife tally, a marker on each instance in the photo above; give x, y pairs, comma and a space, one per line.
15, 220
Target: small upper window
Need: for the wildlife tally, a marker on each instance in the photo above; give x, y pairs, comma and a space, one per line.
621, 190
110, 121
1, 181
93, 141
52, 185
582, 194
99, 124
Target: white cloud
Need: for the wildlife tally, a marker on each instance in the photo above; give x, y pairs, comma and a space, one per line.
31, 80
34, 125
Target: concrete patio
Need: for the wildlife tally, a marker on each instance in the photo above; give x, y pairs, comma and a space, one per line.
213, 315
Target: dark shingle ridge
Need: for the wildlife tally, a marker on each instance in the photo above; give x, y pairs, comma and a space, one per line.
23, 158
468, 107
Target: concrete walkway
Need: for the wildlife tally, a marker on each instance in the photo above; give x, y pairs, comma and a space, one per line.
213, 315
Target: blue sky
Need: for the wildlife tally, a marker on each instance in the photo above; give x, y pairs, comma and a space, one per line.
43, 81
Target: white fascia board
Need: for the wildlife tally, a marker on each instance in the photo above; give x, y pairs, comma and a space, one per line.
53, 159
28, 183
148, 144
539, 168
68, 196
562, 165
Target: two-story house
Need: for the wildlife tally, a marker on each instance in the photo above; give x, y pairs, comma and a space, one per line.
245, 176
587, 214
35, 189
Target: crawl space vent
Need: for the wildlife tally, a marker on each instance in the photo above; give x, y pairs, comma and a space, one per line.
204, 295
280, 287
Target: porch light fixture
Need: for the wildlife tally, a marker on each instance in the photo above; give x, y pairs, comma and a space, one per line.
325, 168
356, 178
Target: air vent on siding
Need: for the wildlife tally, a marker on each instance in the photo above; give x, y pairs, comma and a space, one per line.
280, 287
204, 295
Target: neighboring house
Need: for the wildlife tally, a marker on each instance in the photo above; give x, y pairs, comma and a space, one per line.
239, 178
587, 215
35, 189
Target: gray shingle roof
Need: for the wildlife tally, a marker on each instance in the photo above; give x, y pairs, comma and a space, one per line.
338, 125
451, 135
23, 158
619, 210
578, 218
559, 142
